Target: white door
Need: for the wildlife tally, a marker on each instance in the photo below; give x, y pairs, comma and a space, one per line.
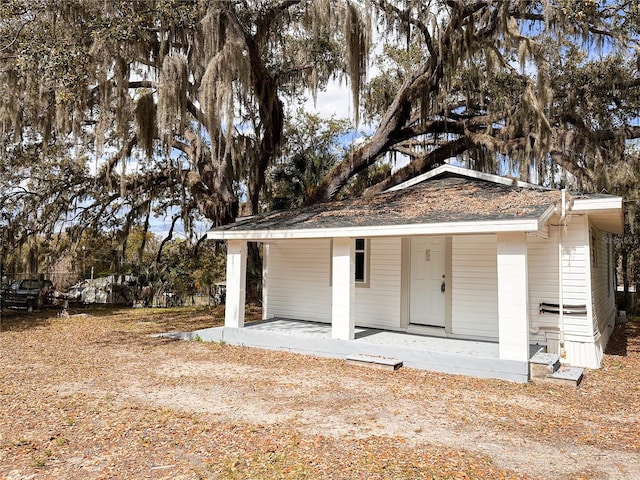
428, 282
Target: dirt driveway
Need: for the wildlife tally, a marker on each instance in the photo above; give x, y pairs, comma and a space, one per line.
100, 397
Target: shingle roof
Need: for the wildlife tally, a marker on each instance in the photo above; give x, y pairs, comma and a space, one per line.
452, 199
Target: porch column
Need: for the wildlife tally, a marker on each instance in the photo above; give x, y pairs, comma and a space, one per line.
513, 297
236, 283
343, 289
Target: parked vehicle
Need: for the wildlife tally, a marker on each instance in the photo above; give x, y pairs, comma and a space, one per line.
29, 294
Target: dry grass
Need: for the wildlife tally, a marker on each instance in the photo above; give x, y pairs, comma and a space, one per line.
99, 397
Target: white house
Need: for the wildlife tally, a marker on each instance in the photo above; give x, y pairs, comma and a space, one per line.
452, 255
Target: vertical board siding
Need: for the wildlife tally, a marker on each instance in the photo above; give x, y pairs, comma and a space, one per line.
583, 354
378, 305
298, 279
474, 294
543, 278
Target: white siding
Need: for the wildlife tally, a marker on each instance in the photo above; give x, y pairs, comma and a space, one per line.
602, 286
585, 335
474, 277
575, 259
297, 273
297, 282
543, 278
542, 258
378, 305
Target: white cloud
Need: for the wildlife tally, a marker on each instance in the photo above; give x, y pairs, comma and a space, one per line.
334, 101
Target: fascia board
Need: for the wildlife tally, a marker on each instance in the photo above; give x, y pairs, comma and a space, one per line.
447, 228
548, 213
543, 231
600, 205
465, 172
421, 178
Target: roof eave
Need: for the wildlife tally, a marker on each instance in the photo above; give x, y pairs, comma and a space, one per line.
534, 224
543, 221
605, 212
588, 205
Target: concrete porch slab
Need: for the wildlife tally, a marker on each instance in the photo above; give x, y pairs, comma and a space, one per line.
446, 355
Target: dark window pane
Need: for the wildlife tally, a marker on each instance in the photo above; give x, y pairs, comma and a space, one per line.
359, 266
359, 243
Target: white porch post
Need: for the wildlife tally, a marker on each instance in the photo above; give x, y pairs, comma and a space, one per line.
513, 297
343, 289
236, 283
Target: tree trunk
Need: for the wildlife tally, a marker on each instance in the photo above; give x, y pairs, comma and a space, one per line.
254, 273
422, 165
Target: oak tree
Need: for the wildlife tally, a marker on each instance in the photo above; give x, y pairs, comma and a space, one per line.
113, 112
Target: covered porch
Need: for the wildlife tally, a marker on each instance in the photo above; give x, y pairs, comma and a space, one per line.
505, 356
456, 356
449, 253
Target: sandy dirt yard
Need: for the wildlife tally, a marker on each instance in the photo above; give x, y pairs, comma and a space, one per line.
99, 397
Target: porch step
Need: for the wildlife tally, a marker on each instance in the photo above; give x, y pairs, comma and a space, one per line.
543, 364
385, 363
567, 376
546, 367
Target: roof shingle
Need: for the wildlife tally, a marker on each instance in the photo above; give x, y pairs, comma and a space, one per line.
442, 200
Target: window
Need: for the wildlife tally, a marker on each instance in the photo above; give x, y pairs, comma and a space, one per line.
362, 262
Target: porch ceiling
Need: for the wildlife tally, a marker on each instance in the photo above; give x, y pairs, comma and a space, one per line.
448, 205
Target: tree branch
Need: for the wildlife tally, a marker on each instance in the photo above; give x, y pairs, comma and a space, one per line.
422, 164
167, 239
423, 83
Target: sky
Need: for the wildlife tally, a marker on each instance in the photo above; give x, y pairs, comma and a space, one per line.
334, 101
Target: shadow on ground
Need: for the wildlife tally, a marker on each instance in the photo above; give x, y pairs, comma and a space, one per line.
624, 339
